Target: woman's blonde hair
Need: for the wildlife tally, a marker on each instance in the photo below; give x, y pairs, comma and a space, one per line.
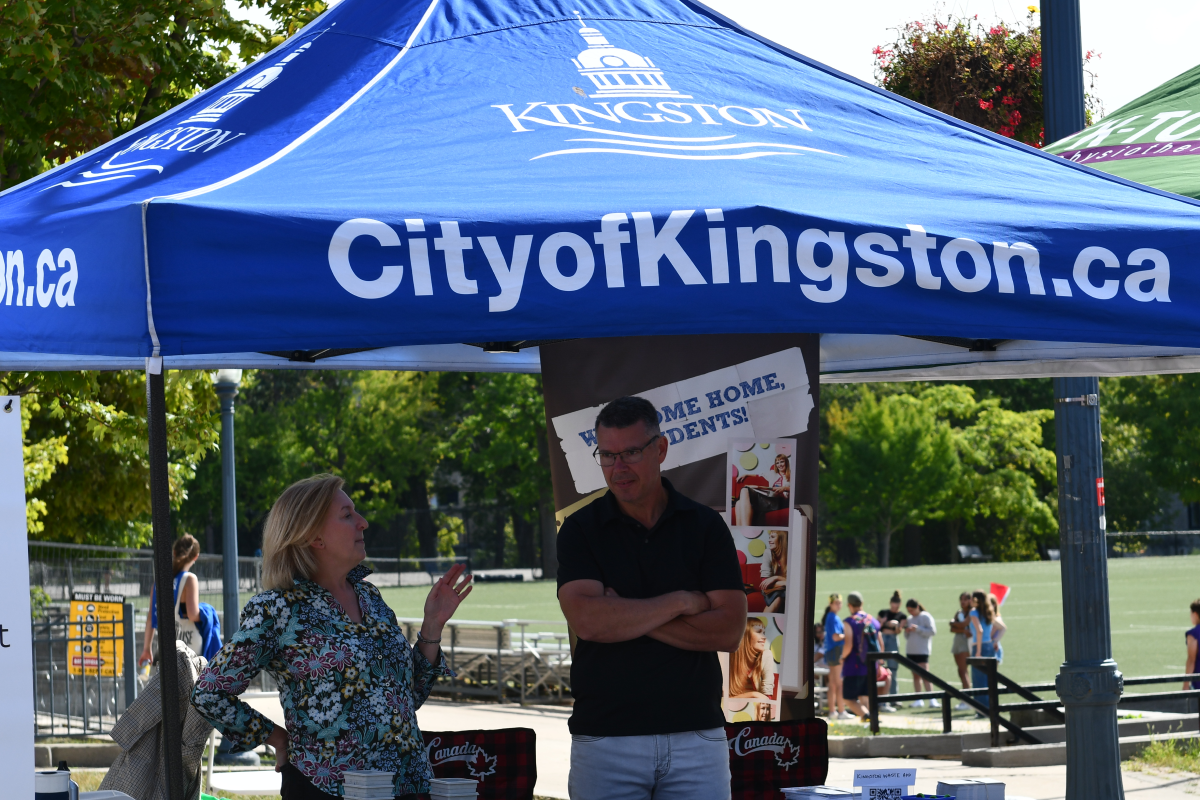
746, 663
294, 521
185, 550
779, 554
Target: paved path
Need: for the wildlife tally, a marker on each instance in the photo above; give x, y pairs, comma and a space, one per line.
554, 751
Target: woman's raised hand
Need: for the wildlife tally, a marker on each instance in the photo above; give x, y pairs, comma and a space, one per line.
444, 599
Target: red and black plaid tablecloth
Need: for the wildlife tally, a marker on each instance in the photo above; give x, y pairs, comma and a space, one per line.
504, 761
765, 756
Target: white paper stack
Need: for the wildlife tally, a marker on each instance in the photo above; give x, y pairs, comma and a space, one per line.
368, 784
967, 789
819, 793
457, 788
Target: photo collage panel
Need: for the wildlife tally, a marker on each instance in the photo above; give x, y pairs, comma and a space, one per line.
760, 503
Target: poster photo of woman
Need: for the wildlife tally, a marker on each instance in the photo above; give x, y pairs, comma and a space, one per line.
751, 673
763, 557
752, 665
774, 586
761, 483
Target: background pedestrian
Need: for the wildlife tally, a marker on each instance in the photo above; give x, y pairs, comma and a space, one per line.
835, 635
998, 627
1192, 637
960, 648
891, 624
981, 641
919, 631
855, 670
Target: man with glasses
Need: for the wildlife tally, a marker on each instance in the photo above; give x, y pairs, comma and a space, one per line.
650, 583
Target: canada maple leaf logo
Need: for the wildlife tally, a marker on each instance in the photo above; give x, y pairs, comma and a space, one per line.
787, 756
482, 765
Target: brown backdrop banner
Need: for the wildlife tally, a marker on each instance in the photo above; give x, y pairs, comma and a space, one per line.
584, 373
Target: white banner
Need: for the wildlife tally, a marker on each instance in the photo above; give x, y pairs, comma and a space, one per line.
700, 415
16, 649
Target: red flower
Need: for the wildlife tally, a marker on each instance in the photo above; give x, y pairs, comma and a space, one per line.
1006, 131
985, 104
998, 89
1011, 67
1009, 101
1035, 61
998, 30
1014, 118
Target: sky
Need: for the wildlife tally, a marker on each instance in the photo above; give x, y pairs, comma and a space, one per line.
1140, 45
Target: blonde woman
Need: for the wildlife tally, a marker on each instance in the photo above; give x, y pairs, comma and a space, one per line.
774, 588
350, 683
752, 663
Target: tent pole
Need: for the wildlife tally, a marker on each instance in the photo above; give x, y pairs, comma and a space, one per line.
164, 573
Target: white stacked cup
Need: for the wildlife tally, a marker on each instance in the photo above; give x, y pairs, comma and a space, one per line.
368, 784
456, 788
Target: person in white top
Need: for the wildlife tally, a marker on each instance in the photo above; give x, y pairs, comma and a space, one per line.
919, 630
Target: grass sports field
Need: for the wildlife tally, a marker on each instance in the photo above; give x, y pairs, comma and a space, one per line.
1149, 607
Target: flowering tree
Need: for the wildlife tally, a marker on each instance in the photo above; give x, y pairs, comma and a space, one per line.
988, 76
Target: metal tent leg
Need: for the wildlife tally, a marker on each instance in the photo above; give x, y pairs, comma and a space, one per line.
160, 513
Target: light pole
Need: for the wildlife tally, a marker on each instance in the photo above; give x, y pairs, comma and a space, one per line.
1088, 683
226, 383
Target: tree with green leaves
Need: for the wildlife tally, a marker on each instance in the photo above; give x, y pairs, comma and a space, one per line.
375, 429
285, 18
1006, 490
75, 75
86, 463
1151, 431
497, 444
891, 463
901, 456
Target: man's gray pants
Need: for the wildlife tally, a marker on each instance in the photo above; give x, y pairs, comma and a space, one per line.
693, 765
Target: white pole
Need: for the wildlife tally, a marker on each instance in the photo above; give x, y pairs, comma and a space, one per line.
16, 646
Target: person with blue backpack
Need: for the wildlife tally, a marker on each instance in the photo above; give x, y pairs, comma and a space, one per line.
197, 624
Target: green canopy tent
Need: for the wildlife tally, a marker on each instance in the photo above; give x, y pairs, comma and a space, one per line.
1154, 139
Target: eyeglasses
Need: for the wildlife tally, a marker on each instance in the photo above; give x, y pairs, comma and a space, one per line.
631, 456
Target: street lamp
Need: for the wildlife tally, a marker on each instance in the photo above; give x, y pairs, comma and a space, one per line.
226, 383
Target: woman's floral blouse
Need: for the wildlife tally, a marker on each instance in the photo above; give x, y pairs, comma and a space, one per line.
349, 691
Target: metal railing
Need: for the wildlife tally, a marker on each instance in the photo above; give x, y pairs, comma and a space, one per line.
84, 672
993, 708
503, 660
61, 569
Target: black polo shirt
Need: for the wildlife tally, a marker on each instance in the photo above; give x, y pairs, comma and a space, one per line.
644, 686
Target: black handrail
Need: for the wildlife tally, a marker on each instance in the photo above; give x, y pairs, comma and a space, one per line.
993, 692
949, 691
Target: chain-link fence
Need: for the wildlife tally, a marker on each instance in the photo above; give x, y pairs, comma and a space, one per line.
60, 570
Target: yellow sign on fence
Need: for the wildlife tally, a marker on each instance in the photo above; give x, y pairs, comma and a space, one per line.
95, 635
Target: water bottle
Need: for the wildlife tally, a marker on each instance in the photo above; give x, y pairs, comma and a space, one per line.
56, 785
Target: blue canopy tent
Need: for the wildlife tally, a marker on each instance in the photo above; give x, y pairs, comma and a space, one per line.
438, 173
399, 179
